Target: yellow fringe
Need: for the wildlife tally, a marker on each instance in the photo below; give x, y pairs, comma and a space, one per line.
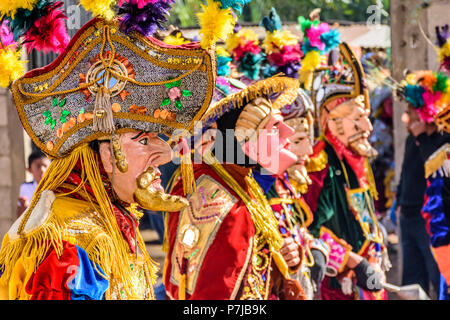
38, 242
110, 253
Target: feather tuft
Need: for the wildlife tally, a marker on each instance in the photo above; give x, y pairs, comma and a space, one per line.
6, 36
48, 33
272, 22
11, 67
99, 8
215, 23
9, 8
145, 20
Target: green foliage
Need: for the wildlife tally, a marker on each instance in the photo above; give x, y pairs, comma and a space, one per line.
183, 13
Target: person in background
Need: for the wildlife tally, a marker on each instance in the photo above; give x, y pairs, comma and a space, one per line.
425, 241
37, 165
419, 265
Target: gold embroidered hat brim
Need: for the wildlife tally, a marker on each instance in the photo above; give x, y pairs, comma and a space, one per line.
285, 87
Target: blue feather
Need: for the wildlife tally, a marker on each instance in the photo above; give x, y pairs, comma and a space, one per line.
271, 22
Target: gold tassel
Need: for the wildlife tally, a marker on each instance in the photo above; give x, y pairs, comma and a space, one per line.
169, 188
281, 264
187, 174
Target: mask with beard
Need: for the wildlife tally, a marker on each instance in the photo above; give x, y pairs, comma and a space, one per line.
151, 196
359, 143
299, 174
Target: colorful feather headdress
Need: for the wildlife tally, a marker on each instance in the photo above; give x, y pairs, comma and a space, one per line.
217, 20
429, 93
318, 40
40, 25
282, 48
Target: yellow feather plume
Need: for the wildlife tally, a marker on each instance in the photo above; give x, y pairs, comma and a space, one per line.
10, 7
175, 40
99, 8
444, 51
278, 39
215, 23
220, 51
240, 38
11, 67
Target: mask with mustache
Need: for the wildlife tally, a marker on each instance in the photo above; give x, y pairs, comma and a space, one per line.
299, 174
154, 198
360, 144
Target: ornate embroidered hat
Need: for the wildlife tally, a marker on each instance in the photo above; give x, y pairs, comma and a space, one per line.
341, 80
107, 81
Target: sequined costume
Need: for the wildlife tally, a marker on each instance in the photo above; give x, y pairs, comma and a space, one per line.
225, 244
78, 240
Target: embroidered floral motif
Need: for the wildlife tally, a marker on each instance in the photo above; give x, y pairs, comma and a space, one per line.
175, 94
